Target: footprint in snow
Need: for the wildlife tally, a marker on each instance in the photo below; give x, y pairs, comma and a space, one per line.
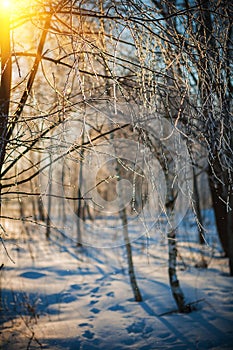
85, 324
94, 290
136, 327
88, 334
95, 310
68, 298
32, 275
116, 308
75, 287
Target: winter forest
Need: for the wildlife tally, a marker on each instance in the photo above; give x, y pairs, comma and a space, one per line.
116, 174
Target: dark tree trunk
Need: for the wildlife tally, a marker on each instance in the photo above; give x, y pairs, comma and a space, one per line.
5, 82
230, 231
197, 209
40, 209
220, 210
5, 86
222, 197
33, 203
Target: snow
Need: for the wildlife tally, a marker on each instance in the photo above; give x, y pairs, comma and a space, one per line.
60, 296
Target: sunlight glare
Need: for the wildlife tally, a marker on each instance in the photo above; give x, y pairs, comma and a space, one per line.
5, 7
5, 3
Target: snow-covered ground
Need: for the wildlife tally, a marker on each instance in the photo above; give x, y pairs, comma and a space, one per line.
57, 296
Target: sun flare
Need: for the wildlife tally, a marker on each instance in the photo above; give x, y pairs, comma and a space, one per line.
5, 7
6, 3
13, 6
13, 9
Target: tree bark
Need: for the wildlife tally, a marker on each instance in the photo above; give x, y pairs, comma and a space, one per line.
133, 281
220, 210
221, 187
167, 163
5, 86
173, 279
124, 220
81, 208
48, 219
172, 252
197, 209
230, 230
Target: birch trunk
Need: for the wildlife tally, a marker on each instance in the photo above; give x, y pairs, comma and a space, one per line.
124, 220
167, 163
172, 249
133, 281
48, 220
173, 279
80, 208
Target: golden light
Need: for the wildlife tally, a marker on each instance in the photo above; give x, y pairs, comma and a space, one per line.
14, 9
13, 6
5, 7
5, 4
